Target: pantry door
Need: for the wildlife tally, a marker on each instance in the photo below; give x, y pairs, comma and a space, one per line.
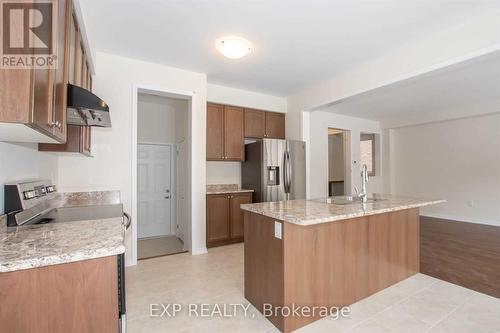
154, 191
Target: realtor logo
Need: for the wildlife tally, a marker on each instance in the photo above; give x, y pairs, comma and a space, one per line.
28, 34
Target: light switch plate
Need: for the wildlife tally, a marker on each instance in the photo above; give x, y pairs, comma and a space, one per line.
277, 229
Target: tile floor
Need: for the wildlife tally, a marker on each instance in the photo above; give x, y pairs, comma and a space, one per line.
418, 304
158, 246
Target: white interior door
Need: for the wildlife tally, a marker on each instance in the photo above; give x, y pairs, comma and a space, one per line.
154, 196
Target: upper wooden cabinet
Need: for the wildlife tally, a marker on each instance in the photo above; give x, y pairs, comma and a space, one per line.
275, 125
37, 97
215, 135
228, 126
62, 72
234, 141
225, 137
77, 73
263, 124
255, 123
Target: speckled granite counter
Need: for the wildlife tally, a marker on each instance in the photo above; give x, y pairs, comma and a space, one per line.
308, 212
226, 188
57, 243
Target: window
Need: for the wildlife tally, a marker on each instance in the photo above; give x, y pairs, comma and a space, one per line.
367, 152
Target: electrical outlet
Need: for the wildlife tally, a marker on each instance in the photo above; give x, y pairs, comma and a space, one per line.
470, 203
277, 229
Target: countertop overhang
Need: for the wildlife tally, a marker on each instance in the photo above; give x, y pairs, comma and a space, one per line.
309, 212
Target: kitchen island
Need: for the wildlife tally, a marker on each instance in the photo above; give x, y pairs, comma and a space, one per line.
315, 253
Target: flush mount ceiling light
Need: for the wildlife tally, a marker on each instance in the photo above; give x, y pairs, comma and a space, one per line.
233, 47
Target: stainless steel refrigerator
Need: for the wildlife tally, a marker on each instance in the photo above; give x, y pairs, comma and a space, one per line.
275, 169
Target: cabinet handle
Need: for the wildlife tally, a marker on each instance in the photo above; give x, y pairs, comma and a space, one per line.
56, 124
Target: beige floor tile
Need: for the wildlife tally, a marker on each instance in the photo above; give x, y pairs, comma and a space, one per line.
433, 304
412, 305
396, 320
480, 314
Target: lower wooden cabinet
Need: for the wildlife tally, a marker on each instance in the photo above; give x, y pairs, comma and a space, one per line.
225, 218
80, 296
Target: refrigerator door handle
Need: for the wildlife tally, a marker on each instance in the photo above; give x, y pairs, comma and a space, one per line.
287, 174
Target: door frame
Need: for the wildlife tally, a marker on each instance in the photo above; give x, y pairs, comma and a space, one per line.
346, 135
173, 192
167, 92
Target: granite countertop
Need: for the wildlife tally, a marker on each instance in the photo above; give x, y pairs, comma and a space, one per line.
41, 245
308, 212
226, 188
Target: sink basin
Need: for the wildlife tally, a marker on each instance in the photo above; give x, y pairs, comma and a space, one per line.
346, 200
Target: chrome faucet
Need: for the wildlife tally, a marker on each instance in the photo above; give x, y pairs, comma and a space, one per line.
364, 179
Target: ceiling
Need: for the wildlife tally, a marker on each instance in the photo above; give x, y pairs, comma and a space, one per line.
462, 90
296, 42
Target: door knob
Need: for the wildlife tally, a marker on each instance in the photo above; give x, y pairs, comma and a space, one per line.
167, 197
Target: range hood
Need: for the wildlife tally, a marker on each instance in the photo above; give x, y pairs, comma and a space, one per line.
86, 109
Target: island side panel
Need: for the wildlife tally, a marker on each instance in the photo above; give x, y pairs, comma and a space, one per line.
263, 264
338, 263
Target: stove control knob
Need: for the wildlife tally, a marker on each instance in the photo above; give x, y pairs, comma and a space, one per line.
29, 195
51, 188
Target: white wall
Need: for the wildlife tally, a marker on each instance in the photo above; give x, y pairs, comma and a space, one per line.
111, 166
161, 119
456, 160
477, 36
223, 172
230, 172
317, 147
232, 96
21, 161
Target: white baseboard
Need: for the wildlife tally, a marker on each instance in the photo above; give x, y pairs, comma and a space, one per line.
201, 250
463, 219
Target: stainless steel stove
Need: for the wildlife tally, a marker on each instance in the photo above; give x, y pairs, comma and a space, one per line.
27, 201
32, 202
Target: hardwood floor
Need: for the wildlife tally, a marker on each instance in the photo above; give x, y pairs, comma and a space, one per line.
466, 254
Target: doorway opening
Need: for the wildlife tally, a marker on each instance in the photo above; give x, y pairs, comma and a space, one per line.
162, 174
338, 175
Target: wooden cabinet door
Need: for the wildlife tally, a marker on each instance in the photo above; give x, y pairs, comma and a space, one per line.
217, 217
275, 125
238, 199
72, 49
43, 98
15, 95
255, 124
84, 72
61, 72
215, 135
234, 141
77, 76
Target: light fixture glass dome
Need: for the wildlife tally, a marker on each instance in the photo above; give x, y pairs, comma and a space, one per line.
233, 47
